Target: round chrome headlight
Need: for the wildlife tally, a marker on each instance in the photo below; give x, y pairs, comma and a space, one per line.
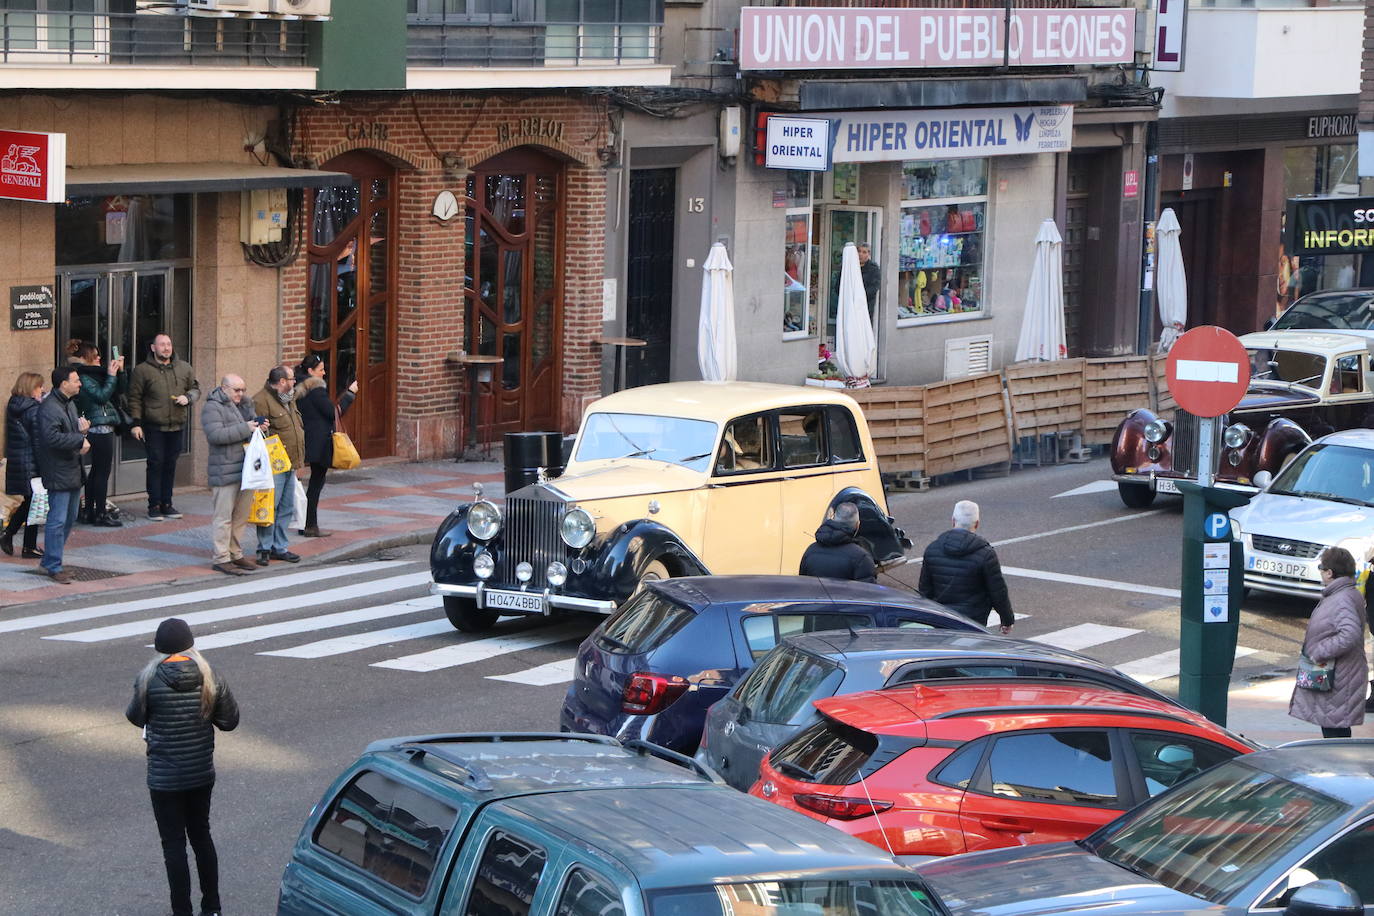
484, 520
483, 566
556, 574
1236, 435
1156, 431
577, 528
524, 572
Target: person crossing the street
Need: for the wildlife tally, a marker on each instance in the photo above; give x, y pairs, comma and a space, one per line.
836, 553
960, 570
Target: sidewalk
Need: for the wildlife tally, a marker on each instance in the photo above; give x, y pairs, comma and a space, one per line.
1259, 711
381, 504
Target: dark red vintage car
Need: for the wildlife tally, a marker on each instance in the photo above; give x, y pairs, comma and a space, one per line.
1303, 384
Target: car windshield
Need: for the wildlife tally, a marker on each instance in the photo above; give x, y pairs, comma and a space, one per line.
1292, 366
675, 440
1336, 472
1354, 311
1217, 834
820, 897
783, 681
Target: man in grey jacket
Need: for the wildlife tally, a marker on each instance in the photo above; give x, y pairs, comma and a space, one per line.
60, 443
228, 421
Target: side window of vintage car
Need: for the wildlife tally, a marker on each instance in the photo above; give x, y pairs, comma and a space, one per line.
799, 433
1347, 379
507, 877
387, 829
744, 446
844, 435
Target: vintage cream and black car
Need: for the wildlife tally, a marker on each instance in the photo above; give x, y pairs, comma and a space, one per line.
683, 479
1303, 384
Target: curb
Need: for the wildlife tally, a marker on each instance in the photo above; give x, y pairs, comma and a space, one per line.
369, 547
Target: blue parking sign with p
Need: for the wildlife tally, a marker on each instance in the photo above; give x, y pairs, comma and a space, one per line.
1217, 526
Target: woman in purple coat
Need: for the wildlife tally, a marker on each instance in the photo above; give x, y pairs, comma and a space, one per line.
1335, 633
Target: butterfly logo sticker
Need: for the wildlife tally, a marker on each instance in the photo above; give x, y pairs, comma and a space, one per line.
1023, 127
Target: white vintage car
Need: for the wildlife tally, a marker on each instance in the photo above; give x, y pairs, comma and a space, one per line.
1323, 498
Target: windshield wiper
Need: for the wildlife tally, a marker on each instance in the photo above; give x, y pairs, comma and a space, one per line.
1130, 867
1333, 497
638, 454
633, 444
695, 457
787, 766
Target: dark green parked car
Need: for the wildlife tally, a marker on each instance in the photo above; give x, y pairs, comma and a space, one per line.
570, 825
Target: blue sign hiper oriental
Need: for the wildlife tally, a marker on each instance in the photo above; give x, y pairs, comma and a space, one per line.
958, 133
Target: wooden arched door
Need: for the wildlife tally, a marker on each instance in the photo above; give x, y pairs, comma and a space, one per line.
351, 299
514, 286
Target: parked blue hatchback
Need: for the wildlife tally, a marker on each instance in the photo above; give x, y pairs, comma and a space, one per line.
570, 825
653, 669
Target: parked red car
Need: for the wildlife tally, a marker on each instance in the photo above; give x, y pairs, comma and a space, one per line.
934, 770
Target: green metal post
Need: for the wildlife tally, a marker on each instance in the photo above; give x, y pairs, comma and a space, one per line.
362, 46
1213, 580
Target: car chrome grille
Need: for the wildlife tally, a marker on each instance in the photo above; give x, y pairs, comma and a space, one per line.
531, 536
1184, 447
1286, 547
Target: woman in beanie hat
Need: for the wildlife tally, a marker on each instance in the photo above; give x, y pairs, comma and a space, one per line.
179, 702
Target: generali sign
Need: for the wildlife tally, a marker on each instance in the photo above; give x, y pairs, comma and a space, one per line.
33, 166
843, 38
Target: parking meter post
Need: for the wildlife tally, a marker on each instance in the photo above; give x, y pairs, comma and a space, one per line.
1213, 580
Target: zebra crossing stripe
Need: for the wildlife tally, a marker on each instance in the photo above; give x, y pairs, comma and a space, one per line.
1165, 664
1094, 583
356, 642
249, 585
1083, 636
483, 649
324, 622
235, 612
559, 672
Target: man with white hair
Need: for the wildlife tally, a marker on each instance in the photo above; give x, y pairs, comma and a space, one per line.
229, 422
960, 570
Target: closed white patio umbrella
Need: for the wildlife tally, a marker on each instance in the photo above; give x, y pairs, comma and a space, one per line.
856, 347
1042, 324
1171, 283
716, 351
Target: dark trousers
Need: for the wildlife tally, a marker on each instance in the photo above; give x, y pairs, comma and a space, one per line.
164, 448
182, 817
1335, 732
17, 518
312, 494
98, 476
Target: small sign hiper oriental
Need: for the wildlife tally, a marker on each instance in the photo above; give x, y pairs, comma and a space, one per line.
798, 143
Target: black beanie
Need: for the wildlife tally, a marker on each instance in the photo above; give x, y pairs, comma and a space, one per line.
173, 636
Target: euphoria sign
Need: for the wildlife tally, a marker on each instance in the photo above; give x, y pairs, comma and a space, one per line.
1329, 225
31, 308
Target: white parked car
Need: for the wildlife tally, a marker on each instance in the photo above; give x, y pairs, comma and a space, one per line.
1323, 498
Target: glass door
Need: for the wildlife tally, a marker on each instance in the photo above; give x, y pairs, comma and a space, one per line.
862, 226
124, 308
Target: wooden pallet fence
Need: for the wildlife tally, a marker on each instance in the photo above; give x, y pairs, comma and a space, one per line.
1161, 401
966, 424
1046, 397
1112, 388
896, 421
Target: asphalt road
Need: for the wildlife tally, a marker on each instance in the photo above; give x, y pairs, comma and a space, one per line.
326, 659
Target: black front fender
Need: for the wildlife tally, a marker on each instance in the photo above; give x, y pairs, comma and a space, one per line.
450, 556
878, 531
616, 563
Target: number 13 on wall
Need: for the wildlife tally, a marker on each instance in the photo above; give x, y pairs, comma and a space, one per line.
696, 205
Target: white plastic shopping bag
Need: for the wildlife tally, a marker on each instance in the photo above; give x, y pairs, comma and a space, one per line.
300, 503
38, 505
257, 464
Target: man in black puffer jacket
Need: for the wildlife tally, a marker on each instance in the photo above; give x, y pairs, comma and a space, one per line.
960, 571
179, 702
835, 555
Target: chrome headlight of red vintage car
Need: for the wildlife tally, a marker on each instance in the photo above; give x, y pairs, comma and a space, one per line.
1236, 435
1156, 431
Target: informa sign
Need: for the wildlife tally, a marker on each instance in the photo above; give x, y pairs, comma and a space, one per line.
1171, 28
33, 166
1329, 225
798, 143
952, 133
31, 308
844, 38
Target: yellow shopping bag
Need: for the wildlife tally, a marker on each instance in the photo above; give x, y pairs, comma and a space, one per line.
263, 512
276, 454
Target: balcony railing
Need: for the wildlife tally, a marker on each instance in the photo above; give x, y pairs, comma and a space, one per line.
956, 4
149, 40
532, 44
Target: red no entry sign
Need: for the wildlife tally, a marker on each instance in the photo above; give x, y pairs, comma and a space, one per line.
1208, 371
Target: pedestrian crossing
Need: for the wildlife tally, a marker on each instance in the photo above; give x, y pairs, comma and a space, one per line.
380, 615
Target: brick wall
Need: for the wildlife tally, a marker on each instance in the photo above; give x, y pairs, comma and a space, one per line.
413, 132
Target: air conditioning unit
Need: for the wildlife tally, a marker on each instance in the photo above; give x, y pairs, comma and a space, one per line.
317, 8
227, 7
965, 356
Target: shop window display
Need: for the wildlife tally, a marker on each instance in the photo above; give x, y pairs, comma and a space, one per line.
940, 239
799, 317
